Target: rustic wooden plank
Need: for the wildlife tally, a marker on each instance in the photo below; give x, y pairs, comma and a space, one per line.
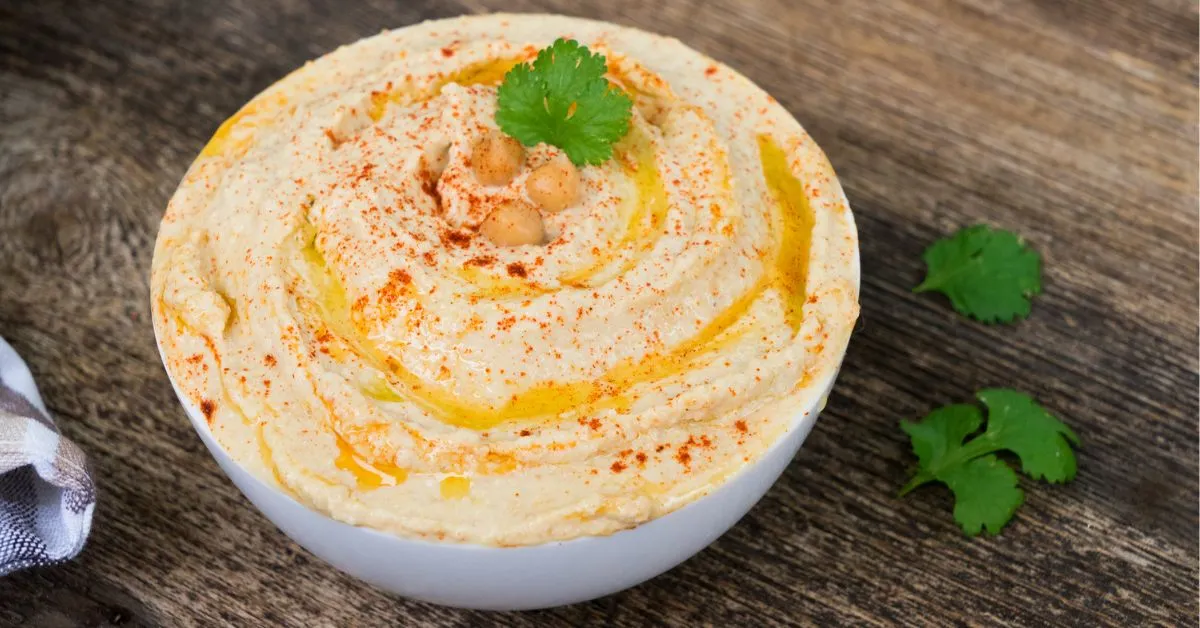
1072, 121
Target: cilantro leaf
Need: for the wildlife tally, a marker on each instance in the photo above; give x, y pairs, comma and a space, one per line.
985, 488
985, 494
563, 99
568, 67
521, 111
988, 274
1043, 443
943, 430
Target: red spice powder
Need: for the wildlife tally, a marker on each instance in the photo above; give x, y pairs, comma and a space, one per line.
362, 174
398, 281
208, 408
457, 238
429, 187
481, 261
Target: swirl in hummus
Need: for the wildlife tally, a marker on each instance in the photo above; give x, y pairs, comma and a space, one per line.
327, 301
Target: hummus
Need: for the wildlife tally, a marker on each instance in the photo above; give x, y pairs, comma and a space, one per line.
330, 307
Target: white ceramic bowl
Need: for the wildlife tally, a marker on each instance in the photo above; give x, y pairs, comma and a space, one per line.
518, 578
535, 576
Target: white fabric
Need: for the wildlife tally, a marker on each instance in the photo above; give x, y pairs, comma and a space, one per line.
47, 495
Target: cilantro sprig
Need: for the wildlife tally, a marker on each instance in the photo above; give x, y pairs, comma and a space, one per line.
985, 488
988, 274
563, 99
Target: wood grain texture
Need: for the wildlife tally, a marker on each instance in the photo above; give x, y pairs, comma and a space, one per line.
1073, 122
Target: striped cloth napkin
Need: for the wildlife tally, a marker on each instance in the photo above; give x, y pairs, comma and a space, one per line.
46, 491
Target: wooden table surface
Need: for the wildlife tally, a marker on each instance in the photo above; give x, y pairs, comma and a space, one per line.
1073, 122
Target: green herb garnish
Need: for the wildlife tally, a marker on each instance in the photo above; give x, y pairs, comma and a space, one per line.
988, 274
985, 488
563, 99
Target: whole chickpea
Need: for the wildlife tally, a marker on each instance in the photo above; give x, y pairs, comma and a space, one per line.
554, 185
514, 223
496, 158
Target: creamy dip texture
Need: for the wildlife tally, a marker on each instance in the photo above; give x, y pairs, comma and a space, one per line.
330, 305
